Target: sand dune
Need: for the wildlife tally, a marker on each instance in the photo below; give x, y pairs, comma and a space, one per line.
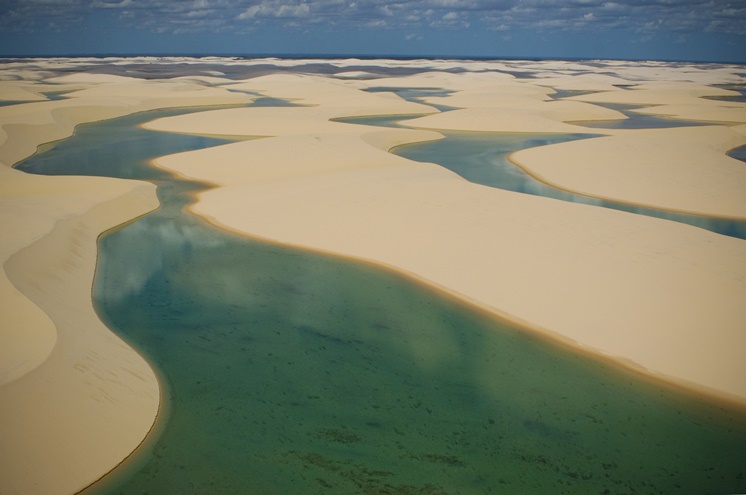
658, 296
684, 169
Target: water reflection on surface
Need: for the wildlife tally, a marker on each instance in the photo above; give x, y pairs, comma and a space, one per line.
291, 372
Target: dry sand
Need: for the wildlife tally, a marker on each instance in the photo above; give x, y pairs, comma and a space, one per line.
658, 296
684, 169
75, 400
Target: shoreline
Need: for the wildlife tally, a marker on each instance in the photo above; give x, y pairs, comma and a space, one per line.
541, 179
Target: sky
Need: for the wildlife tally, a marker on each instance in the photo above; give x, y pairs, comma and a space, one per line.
687, 30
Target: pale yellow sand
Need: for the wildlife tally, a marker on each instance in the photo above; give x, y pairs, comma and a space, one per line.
717, 112
500, 103
656, 295
80, 400
660, 93
74, 399
330, 94
585, 82
684, 169
13, 90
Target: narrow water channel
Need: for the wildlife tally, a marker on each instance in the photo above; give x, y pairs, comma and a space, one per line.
293, 372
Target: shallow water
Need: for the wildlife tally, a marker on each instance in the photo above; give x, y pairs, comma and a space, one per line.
636, 120
292, 372
738, 153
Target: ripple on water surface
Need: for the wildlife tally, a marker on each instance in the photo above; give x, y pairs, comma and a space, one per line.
291, 372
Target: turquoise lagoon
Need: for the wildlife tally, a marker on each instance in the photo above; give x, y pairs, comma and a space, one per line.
286, 371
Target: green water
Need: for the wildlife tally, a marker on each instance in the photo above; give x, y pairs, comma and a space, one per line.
290, 372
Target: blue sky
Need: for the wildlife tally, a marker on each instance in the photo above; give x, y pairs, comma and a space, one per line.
694, 30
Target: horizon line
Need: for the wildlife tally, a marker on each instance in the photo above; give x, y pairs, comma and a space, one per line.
338, 56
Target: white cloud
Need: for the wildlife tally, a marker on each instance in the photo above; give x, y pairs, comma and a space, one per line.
275, 9
103, 4
679, 16
378, 23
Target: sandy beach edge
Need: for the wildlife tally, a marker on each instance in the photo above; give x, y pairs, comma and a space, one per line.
93, 392
635, 204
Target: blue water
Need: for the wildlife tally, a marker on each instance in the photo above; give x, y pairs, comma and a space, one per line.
291, 372
636, 120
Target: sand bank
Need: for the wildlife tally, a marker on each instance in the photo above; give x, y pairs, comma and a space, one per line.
660, 93
502, 103
684, 169
342, 98
79, 400
14, 91
75, 400
653, 294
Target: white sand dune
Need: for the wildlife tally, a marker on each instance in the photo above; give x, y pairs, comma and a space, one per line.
684, 169
498, 104
660, 93
15, 91
720, 112
76, 400
658, 296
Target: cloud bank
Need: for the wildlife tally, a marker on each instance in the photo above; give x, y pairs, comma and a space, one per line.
235, 16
